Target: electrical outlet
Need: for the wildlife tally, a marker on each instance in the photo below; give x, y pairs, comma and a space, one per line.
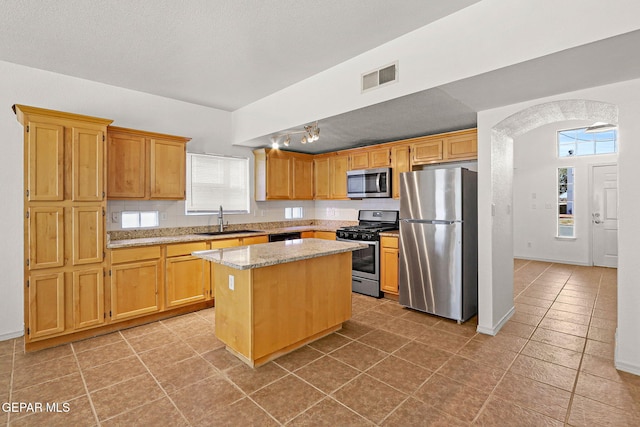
528, 244
232, 283
115, 217
163, 216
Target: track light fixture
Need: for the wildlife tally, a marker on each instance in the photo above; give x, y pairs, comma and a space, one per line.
311, 133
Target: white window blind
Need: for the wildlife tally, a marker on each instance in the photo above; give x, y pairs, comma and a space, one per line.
214, 181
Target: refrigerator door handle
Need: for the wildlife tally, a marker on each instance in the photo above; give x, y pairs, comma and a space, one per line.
429, 221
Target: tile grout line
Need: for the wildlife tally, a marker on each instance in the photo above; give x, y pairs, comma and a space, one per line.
518, 353
584, 348
84, 383
154, 379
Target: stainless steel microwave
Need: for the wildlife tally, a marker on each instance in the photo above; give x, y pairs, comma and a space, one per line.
369, 183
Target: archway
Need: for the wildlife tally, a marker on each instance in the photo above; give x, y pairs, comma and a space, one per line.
495, 287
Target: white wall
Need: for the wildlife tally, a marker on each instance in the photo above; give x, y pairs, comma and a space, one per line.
486, 36
535, 202
209, 128
625, 96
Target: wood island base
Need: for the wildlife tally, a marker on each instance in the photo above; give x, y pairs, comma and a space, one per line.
266, 312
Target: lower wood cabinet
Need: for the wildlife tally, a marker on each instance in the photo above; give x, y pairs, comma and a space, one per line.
136, 276
326, 235
46, 304
188, 279
88, 297
389, 265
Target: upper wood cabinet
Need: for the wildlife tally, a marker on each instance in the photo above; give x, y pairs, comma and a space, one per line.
321, 178
283, 175
338, 166
426, 151
87, 165
44, 177
400, 162
145, 165
366, 158
330, 176
461, 147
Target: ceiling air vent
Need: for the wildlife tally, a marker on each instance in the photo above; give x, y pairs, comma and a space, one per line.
379, 77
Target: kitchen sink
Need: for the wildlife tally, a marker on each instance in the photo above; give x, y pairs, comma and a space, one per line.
221, 233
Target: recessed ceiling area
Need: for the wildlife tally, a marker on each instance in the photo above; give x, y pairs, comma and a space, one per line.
454, 106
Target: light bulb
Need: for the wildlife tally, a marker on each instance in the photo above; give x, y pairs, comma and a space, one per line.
303, 140
275, 145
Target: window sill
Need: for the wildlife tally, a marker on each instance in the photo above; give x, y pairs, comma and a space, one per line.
561, 238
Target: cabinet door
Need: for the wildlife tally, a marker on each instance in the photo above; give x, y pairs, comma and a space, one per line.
254, 240
88, 297
321, 178
461, 147
46, 304
338, 169
46, 237
426, 152
379, 158
186, 280
279, 184
87, 165
302, 179
359, 160
126, 171
87, 229
389, 270
134, 289
400, 163
45, 162
167, 169
326, 235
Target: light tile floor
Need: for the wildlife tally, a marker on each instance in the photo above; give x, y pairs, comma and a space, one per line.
552, 364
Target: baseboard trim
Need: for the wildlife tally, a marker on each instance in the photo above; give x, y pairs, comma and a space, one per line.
496, 328
11, 335
627, 367
555, 261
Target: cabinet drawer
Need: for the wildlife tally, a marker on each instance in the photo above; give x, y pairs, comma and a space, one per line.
327, 235
185, 248
134, 254
389, 242
254, 240
225, 243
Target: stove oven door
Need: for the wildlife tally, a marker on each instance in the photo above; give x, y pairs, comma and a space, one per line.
365, 268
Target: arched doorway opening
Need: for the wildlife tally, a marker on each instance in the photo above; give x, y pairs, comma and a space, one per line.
495, 287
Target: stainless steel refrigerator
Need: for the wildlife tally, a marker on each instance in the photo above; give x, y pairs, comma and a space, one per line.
439, 242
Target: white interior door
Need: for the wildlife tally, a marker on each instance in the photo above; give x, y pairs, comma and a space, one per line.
604, 215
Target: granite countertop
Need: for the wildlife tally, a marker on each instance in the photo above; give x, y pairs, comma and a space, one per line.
186, 238
265, 254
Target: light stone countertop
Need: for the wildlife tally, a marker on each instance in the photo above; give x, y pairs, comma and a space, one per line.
186, 238
265, 254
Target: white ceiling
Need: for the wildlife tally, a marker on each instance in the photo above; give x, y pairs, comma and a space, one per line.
218, 53
228, 53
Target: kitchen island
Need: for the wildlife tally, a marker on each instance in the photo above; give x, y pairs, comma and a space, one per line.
273, 298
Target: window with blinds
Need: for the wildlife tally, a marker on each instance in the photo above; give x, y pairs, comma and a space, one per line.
214, 181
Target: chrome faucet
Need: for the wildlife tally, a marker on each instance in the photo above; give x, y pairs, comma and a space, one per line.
221, 219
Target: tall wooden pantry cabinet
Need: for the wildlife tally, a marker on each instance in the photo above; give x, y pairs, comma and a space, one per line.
64, 211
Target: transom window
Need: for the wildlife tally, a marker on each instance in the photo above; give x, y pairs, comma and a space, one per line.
582, 142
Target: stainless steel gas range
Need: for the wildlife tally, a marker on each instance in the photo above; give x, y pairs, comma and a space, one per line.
365, 273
